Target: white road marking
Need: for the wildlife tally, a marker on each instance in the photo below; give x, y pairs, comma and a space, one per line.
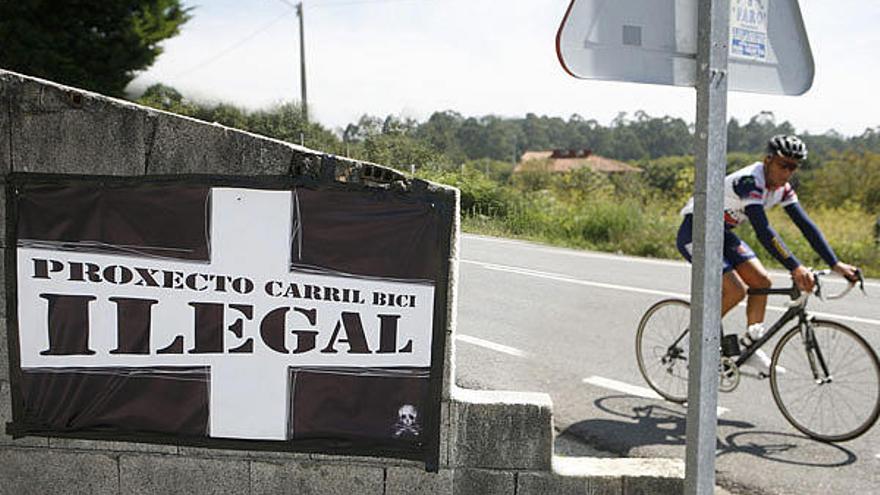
583, 254
491, 345
628, 389
569, 279
565, 278
624, 258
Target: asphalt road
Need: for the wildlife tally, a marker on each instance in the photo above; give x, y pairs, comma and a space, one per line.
537, 318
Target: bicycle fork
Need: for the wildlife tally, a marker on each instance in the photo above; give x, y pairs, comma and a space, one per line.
818, 366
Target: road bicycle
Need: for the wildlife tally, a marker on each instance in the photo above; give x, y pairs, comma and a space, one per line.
825, 378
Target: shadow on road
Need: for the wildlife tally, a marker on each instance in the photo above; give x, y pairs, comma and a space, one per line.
644, 422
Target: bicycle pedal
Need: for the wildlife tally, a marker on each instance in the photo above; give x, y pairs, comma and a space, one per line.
758, 375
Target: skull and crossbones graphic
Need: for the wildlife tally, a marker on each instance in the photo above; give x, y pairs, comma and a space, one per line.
407, 422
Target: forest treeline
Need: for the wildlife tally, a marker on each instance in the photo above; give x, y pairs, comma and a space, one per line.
448, 138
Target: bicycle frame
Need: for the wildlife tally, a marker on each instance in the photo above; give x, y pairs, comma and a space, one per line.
798, 312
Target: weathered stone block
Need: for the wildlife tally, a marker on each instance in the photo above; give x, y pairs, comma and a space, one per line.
502, 430
242, 454
315, 479
447, 433
157, 448
116, 446
414, 481
548, 483
449, 359
6, 417
459, 481
271, 456
652, 485
175, 474
362, 459
57, 129
188, 146
41, 472
483, 482
213, 453
601, 476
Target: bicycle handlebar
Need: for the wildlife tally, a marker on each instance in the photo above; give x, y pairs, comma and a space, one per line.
797, 297
860, 280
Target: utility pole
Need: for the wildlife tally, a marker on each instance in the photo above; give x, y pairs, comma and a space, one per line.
713, 36
302, 63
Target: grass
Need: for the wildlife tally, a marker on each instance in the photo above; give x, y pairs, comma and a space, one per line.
648, 228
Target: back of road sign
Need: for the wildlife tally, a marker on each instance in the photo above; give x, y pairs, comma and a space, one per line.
655, 41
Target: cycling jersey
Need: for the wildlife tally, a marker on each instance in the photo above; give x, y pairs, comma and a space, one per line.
747, 186
746, 196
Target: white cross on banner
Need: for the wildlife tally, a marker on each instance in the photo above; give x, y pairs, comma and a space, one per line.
274, 318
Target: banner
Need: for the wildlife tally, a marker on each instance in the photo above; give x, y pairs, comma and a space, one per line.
299, 316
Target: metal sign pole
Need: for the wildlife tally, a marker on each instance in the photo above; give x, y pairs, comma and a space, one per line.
599, 39
711, 147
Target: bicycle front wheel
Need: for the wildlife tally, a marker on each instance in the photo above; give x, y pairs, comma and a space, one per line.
826, 381
662, 348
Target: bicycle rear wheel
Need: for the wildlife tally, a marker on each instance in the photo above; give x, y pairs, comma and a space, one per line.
662, 348
831, 386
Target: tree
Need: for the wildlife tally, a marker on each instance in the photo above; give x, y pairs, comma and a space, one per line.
441, 133
98, 45
166, 98
849, 177
398, 151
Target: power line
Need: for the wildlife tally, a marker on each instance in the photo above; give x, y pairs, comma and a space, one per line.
278, 19
235, 45
355, 2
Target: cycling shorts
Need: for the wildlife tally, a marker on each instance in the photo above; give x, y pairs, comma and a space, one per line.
735, 250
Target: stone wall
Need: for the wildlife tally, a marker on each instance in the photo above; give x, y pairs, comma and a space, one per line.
491, 442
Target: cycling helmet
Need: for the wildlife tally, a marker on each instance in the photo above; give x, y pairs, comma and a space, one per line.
788, 146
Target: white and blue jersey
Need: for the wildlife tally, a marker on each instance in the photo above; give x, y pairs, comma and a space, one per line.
746, 197
748, 186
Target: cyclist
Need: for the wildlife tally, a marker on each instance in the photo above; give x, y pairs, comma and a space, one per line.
747, 193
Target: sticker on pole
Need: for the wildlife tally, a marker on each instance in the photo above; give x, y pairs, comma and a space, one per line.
655, 42
748, 29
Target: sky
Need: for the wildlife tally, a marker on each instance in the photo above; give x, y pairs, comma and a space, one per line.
411, 58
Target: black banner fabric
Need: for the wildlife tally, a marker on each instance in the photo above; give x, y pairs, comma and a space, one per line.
173, 400
381, 407
161, 220
380, 234
295, 316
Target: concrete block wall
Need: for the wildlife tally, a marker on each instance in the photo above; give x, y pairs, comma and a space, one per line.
491, 442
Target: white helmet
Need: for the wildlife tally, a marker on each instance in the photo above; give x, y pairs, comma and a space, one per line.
788, 146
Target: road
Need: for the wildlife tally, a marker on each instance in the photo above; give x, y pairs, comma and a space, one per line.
544, 319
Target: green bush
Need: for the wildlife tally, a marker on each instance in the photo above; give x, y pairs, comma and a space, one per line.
847, 177
479, 193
